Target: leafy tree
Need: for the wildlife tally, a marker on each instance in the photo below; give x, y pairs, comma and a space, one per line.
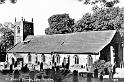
106, 3
101, 65
60, 24
7, 38
85, 24
8, 25
12, 1
1, 26
102, 19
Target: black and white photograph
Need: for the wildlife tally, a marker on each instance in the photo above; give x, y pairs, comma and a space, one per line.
61, 40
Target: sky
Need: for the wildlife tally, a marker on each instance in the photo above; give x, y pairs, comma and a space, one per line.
41, 10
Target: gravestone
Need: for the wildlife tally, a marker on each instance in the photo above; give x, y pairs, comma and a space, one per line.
57, 68
15, 64
101, 77
89, 76
25, 69
62, 64
96, 73
16, 75
67, 66
32, 76
75, 76
41, 66
11, 68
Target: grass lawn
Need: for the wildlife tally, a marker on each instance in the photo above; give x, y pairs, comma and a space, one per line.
80, 79
6, 78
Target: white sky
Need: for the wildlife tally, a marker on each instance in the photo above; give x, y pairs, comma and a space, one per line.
41, 10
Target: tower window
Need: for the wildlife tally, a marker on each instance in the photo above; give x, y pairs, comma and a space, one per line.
18, 29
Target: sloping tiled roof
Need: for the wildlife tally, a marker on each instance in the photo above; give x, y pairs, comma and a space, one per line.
80, 42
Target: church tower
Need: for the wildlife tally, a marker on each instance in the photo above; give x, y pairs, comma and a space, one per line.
22, 29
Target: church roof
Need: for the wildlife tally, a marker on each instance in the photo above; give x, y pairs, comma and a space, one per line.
80, 42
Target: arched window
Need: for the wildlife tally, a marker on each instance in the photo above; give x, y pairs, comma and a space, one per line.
76, 59
89, 60
36, 59
64, 60
43, 57
68, 59
29, 57
53, 59
58, 58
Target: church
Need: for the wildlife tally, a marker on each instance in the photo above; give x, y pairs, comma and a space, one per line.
77, 50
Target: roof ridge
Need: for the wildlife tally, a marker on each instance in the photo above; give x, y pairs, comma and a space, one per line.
73, 33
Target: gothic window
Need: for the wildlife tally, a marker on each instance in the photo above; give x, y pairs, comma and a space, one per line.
64, 60
58, 58
53, 59
36, 59
76, 59
89, 60
29, 57
68, 59
43, 57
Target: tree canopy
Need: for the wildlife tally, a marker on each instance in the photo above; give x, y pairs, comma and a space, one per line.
12, 1
102, 19
59, 24
111, 18
106, 3
101, 65
6, 39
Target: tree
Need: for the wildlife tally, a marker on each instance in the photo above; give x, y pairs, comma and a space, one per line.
101, 65
7, 38
85, 24
106, 3
12, 1
103, 19
60, 24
